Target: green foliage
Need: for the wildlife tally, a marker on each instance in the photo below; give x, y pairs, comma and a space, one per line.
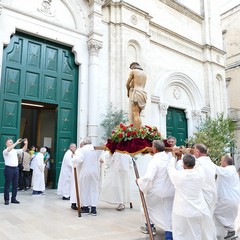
217, 134
111, 119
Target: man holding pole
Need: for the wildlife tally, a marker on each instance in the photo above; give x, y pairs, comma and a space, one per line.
158, 191
86, 161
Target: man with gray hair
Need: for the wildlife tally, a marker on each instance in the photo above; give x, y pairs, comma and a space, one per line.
228, 187
158, 191
85, 160
38, 181
209, 187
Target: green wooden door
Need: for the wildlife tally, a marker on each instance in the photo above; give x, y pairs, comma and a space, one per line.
41, 71
177, 125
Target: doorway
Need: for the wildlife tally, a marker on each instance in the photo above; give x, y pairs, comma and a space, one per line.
40, 72
38, 125
177, 125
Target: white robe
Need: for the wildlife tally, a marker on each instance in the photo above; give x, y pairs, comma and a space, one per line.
226, 210
192, 218
38, 182
64, 182
86, 160
158, 191
116, 187
209, 186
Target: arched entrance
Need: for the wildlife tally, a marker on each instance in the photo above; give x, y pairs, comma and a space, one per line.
40, 73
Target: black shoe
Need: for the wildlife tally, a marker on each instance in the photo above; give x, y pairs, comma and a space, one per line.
6, 202
230, 234
15, 201
74, 206
65, 198
93, 211
85, 210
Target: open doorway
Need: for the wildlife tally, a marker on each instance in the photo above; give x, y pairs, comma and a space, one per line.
38, 125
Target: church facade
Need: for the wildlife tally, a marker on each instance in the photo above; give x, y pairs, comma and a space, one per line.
63, 62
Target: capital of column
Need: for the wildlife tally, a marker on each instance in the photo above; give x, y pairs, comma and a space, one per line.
163, 107
94, 47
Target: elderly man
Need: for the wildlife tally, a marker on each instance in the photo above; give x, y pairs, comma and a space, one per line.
64, 182
158, 191
209, 186
11, 171
192, 218
86, 161
135, 91
228, 187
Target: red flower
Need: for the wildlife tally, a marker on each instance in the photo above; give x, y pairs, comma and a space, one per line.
121, 125
131, 125
124, 128
134, 133
128, 134
120, 135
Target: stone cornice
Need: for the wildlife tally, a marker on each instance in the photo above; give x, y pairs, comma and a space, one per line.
184, 10
210, 47
91, 2
128, 6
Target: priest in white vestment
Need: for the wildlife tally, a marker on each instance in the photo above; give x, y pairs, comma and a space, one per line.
116, 187
38, 181
64, 182
192, 219
228, 187
209, 186
158, 190
86, 160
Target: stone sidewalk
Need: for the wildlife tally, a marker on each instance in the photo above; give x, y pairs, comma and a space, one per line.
48, 217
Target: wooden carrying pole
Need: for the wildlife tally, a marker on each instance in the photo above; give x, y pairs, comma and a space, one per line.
77, 192
144, 205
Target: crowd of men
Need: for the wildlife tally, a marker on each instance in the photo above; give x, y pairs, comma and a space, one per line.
187, 195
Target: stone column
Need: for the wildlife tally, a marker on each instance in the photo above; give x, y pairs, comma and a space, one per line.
93, 46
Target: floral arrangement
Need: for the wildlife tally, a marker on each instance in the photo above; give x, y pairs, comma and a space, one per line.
128, 132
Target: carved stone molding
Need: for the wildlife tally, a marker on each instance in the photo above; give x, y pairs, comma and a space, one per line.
46, 8
177, 93
91, 2
163, 107
94, 47
196, 114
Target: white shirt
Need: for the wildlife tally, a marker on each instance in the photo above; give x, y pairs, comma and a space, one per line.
11, 158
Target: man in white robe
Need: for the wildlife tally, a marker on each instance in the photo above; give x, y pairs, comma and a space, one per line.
191, 218
209, 186
228, 187
116, 187
64, 182
158, 190
86, 161
38, 181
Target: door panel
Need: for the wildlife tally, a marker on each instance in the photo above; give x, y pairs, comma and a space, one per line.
177, 125
12, 81
32, 85
44, 72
